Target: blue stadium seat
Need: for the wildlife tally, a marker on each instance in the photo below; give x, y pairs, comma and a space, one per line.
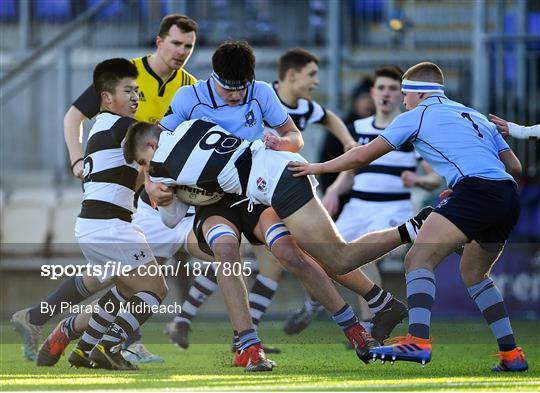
534, 29
111, 11
8, 11
52, 10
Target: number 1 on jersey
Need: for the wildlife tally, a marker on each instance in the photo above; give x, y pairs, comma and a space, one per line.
467, 116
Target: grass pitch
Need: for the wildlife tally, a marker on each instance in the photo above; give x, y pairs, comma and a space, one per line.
313, 360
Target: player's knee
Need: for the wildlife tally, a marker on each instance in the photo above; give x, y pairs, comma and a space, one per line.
223, 240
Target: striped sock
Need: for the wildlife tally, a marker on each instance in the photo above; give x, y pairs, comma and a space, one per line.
202, 287
345, 317
260, 297
247, 338
490, 302
101, 320
68, 327
236, 340
377, 299
420, 296
126, 322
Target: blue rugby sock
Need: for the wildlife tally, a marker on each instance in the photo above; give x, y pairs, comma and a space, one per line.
247, 338
420, 296
345, 317
490, 302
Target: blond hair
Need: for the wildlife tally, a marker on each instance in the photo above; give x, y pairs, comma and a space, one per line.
425, 72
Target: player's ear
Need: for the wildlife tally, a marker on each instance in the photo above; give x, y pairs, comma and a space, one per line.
106, 97
290, 74
159, 40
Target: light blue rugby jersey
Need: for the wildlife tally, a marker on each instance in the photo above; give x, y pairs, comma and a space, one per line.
200, 101
456, 140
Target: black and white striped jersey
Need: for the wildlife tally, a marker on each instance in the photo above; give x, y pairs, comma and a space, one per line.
381, 180
200, 153
305, 113
109, 182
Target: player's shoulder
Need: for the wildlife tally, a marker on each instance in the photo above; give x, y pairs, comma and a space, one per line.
262, 88
188, 78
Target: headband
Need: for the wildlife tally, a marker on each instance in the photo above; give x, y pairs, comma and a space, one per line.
408, 86
229, 85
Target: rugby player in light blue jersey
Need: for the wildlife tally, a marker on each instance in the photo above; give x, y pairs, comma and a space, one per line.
467, 150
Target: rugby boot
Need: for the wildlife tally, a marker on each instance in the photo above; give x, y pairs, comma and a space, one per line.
361, 341
513, 361
110, 359
253, 359
408, 348
387, 319
78, 358
54, 346
30, 334
178, 333
301, 319
138, 353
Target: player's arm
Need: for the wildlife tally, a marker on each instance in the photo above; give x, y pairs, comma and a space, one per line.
511, 162
340, 186
429, 181
73, 120
84, 107
357, 157
336, 126
289, 139
160, 194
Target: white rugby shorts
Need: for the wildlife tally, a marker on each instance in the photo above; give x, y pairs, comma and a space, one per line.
112, 243
164, 241
359, 217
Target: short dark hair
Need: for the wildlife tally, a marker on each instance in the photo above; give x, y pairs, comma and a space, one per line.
108, 73
296, 59
184, 23
137, 133
234, 61
389, 71
425, 72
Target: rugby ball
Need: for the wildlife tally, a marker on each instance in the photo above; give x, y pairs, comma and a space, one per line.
196, 196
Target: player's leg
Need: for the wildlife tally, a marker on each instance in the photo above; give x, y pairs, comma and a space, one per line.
475, 266
358, 218
103, 241
144, 293
328, 247
222, 237
437, 239
28, 322
314, 279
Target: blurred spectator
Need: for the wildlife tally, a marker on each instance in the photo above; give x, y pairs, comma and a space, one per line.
361, 106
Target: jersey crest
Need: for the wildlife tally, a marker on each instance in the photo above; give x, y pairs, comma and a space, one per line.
251, 120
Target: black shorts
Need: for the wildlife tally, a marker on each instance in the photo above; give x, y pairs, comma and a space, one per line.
484, 210
242, 219
291, 194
